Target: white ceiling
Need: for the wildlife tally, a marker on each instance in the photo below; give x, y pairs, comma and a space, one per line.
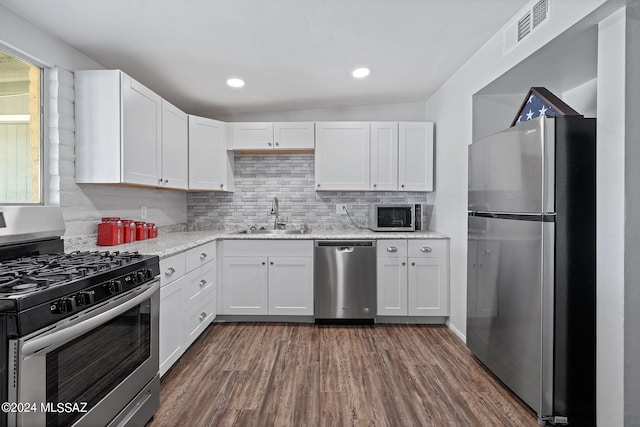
293, 54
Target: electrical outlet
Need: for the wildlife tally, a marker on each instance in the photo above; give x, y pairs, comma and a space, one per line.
341, 209
143, 212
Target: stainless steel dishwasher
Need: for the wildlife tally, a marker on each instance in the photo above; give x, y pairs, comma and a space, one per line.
345, 281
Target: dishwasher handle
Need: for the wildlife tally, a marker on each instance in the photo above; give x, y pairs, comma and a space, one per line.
345, 249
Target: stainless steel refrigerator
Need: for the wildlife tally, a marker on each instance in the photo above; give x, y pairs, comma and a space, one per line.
531, 301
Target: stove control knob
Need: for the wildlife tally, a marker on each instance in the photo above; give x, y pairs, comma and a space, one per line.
148, 274
64, 305
84, 298
114, 287
138, 277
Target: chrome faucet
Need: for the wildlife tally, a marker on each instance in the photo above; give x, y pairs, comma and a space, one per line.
275, 210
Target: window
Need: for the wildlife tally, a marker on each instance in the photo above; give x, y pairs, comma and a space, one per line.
20, 131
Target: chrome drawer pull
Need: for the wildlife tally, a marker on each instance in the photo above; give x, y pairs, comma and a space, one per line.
202, 283
203, 315
169, 271
425, 249
203, 255
392, 249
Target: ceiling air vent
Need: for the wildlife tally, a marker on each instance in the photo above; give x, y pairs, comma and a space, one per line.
525, 25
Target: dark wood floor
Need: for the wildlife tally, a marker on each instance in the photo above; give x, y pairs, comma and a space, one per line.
250, 374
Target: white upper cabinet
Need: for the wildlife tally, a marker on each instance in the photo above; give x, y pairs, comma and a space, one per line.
272, 136
415, 168
210, 164
384, 156
120, 134
342, 156
174, 147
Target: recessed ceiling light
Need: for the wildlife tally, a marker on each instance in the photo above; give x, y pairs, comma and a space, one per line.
360, 73
235, 82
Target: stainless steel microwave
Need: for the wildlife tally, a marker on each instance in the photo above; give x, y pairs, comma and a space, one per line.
397, 217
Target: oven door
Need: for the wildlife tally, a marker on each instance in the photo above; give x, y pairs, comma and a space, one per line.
86, 369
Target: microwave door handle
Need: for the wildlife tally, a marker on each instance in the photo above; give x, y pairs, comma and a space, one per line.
56, 338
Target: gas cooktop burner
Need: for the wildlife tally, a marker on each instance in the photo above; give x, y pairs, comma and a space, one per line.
31, 273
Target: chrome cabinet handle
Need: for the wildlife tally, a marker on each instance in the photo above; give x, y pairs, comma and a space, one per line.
277, 145
169, 271
202, 316
166, 181
264, 263
202, 283
269, 144
318, 185
426, 249
203, 255
271, 263
221, 185
413, 263
402, 186
375, 185
392, 249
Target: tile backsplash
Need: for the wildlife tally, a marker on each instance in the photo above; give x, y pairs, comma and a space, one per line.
290, 178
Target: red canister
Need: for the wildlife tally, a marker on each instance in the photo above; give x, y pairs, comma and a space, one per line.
152, 230
129, 231
110, 232
141, 230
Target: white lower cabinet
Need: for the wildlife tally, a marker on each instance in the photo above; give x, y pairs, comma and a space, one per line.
413, 277
172, 343
267, 278
187, 300
290, 287
244, 285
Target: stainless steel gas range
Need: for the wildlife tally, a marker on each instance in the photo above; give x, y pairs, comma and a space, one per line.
78, 331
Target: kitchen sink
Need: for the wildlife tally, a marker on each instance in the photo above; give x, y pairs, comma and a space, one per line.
251, 231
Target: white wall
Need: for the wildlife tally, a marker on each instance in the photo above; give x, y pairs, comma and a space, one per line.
450, 108
632, 214
410, 111
610, 219
83, 205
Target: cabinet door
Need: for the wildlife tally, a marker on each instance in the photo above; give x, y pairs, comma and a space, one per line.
141, 127
293, 136
208, 158
252, 135
244, 281
384, 156
428, 287
415, 156
342, 156
172, 336
291, 286
175, 131
392, 286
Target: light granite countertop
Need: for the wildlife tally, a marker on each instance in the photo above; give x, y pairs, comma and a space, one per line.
172, 243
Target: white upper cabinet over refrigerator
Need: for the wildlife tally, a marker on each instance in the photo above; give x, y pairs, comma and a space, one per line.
272, 136
415, 153
119, 133
342, 156
210, 164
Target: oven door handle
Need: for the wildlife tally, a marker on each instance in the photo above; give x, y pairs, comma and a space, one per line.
67, 334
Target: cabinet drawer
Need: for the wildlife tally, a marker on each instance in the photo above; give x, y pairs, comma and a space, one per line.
199, 283
199, 317
392, 248
200, 255
431, 248
259, 248
172, 268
